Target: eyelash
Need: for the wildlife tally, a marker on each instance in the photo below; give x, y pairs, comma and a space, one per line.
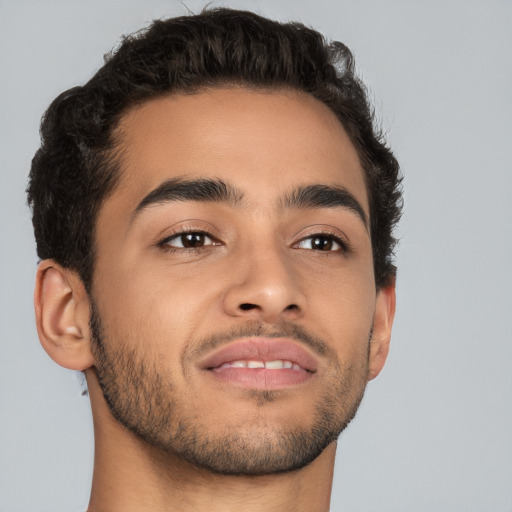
164, 244
343, 243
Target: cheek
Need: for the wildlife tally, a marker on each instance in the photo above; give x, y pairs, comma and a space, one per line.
342, 309
153, 303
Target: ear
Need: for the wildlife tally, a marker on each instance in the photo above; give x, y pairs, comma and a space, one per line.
381, 334
62, 316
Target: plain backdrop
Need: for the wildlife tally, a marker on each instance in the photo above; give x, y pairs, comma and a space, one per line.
434, 431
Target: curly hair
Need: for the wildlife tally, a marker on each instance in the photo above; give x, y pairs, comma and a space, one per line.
76, 168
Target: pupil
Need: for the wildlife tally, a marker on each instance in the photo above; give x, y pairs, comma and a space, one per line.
323, 244
192, 240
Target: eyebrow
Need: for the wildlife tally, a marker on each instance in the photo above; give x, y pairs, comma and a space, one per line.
324, 196
180, 189
215, 190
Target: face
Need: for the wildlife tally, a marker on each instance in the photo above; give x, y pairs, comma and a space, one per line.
233, 294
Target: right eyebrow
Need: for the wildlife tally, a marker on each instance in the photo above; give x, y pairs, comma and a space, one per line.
179, 189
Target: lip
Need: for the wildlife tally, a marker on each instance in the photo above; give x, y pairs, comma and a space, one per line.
261, 349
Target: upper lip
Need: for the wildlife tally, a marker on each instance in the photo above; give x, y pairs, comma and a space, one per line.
261, 349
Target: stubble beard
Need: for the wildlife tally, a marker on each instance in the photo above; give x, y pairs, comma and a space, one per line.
145, 402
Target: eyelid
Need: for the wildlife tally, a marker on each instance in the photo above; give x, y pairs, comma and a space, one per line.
325, 231
177, 236
186, 227
181, 232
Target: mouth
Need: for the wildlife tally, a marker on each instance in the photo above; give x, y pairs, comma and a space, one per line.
261, 363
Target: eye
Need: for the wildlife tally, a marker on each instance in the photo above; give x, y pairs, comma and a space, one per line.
188, 240
325, 243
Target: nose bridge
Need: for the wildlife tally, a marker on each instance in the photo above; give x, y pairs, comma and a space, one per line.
264, 283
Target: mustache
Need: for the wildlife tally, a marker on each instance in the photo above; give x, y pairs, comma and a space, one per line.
258, 329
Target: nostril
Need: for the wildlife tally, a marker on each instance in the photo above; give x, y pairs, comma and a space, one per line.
291, 307
247, 306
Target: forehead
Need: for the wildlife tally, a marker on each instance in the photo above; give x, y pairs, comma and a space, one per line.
262, 142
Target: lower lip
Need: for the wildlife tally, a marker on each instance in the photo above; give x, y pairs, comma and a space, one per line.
261, 378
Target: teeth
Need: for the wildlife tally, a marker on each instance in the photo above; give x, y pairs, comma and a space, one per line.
278, 364
274, 365
255, 364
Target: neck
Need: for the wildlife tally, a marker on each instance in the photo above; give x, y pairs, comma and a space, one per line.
129, 475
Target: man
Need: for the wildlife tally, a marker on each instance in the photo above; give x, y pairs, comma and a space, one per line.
214, 215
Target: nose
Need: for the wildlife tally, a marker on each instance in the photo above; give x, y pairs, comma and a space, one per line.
264, 286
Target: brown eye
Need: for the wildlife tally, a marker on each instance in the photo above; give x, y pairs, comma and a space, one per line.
324, 243
192, 240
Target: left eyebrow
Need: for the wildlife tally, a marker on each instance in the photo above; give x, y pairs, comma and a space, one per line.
324, 196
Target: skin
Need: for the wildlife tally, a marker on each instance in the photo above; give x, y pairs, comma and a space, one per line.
159, 302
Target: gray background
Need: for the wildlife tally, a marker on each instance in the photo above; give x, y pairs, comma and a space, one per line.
434, 431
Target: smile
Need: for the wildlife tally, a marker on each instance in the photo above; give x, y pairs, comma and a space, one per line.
278, 364
261, 363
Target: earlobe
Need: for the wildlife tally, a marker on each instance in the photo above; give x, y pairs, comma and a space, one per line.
381, 335
62, 316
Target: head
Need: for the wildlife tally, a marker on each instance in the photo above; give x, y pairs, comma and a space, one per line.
89, 173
